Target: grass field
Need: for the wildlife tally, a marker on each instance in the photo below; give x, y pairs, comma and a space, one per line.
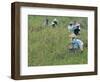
48, 46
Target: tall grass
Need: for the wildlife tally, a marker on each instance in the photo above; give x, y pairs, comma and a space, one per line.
48, 46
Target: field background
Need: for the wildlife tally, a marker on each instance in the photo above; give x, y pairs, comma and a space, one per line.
48, 46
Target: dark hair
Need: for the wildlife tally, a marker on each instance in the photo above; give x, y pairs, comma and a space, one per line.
70, 24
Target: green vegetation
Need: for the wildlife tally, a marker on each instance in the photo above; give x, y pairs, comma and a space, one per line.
48, 46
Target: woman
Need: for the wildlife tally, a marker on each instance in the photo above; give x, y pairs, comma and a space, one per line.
76, 44
76, 27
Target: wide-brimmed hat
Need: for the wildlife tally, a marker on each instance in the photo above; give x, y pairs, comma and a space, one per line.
72, 35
